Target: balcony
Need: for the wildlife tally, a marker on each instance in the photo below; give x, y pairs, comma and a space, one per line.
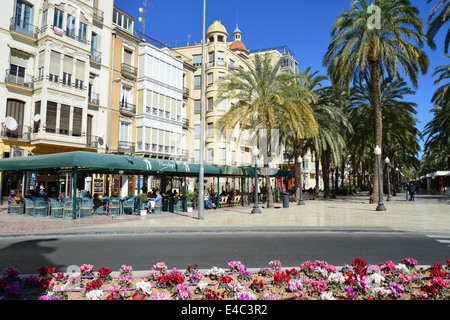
20, 28
96, 56
127, 108
94, 99
20, 133
129, 71
22, 80
92, 142
98, 15
126, 146
185, 93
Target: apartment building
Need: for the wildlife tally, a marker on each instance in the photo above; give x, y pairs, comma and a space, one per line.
54, 59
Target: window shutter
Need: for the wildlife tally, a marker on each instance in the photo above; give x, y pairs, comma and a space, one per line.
127, 55
80, 70
77, 121
18, 59
50, 122
55, 58
68, 65
64, 119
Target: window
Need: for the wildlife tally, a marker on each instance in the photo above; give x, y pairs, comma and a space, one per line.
220, 58
196, 131
211, 59
210, 130
197, 82
24, 16
44, 18
231, 64
221, 77
222, 155
58, 19
123, 21
82, 33
210, 79
70, 27
210, 155
67, 79
127, 97
128, 57
37, 110
55, 60
79, 76
210, 104
197, 60
196, 155
222, 105
125, 132
197, 106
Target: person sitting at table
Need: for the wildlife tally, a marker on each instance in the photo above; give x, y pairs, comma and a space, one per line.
153, 201
97, 202
207, 201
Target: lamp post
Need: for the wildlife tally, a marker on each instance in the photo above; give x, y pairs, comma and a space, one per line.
202, 123
387, 161
118, 80
256, 204
300, 201
380, 206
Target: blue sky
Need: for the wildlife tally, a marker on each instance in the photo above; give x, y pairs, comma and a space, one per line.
302, 25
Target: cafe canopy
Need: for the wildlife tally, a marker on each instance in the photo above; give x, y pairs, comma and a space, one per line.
89, 162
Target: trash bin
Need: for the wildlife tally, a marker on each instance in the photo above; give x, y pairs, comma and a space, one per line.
285, 196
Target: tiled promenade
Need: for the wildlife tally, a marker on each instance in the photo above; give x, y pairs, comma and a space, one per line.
427, 213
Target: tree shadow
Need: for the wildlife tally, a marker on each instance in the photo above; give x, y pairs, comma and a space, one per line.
28, 256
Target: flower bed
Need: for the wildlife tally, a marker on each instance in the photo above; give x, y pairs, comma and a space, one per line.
310, 281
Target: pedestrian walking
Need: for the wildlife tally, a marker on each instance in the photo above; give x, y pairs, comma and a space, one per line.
412, 191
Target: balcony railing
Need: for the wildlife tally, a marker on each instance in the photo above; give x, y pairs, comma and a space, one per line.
23, 27
92, 141
25, 80
21, 132
126, 146
128, 70
96, 56
185, 93
98, 14
94, 98
127, 107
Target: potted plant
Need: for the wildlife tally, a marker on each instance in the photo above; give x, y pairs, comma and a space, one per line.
191, 196
142, 202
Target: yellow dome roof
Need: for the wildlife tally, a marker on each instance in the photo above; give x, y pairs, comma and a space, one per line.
217, 26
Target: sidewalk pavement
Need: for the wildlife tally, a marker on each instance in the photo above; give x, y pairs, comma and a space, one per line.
352, 213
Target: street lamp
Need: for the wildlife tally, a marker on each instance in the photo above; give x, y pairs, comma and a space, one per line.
380, 206
300, 201
118, 80
256, 204
387, 161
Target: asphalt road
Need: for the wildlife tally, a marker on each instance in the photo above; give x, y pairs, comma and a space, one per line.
254, 249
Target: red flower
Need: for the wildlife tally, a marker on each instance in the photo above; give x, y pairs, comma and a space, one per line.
46, 271
94, 284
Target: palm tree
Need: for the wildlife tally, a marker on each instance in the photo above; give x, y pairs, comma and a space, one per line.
400, 134
357, 47
263, 98
330, 142
436, 21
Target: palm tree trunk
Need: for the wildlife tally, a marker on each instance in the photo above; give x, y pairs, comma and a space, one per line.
316, 189
297, 152
378, 125
326, 175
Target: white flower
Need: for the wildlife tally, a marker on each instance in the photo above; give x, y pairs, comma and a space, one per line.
402, 268
216, 272
327, 296
145, 286
336, 277
244, 295
95, 294
236, 287
376, 279
381, 290
202, 285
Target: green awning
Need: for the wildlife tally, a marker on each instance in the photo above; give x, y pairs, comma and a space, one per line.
111, 163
